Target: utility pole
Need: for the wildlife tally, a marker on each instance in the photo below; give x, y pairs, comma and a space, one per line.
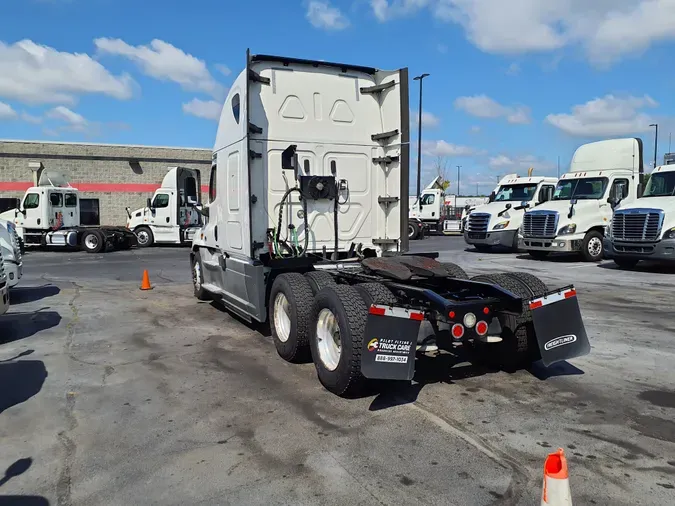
656, 140
476, 189
419, 143
458, 167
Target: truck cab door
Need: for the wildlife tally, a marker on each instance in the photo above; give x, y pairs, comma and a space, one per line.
71, 210
55, 210
31, 217
162, 217
429, 207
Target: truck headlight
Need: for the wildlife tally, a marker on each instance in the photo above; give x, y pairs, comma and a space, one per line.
568, 229
669, 234
501, 226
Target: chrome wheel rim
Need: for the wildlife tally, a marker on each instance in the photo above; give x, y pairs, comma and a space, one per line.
328, 337
282, 317
91, 241
143, 236
595, 246
411, 230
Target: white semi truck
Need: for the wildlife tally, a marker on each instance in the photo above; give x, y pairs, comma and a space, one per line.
645, 229
12, 257
497, 223
4, 287
425, 212
49, 216
306, 227
169, 216
602, 175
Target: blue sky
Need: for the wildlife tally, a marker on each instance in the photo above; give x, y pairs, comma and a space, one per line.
509, 88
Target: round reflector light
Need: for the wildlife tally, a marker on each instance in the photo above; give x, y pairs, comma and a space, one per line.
469, 320
481, 328
457, 331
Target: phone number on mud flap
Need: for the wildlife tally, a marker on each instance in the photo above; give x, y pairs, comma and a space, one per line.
391, 358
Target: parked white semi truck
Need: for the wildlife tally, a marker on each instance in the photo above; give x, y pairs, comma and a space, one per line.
4, 287
49, 215
425, 213
169, 216
497, 223
306, 227
12, 258
602, 175
645, 229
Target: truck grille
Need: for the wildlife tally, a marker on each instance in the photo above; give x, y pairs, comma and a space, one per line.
2, 270
634, 225
478, 222
17, 248
540, 224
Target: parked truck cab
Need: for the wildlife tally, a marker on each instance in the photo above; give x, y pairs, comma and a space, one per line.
497, 222
11, 252
645, 229
170, 216
4, 287
602, 175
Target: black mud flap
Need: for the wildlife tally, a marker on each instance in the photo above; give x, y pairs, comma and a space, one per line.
561, 334
390, 342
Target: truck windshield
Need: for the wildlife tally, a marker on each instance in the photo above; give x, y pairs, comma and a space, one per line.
660, 185
587, 188
516, 192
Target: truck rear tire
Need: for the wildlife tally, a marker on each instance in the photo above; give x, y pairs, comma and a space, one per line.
338, 324
518, 347
413, 231
535, 285
376, 293
591, 248
198, 278
455, 270
290, 307
538, 254
318, 280
93, 241
144, 236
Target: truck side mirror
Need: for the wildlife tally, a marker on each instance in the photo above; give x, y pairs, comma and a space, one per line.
289, 160
545, 195
492, 197
149, 204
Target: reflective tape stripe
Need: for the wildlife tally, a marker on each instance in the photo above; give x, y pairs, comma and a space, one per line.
550, 299
396, 312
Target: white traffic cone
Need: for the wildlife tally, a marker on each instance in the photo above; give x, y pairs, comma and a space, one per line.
556, 490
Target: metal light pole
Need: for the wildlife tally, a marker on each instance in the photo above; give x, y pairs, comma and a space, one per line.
458, 167
656, 140
419, 142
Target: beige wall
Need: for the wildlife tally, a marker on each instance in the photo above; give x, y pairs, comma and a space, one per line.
99, 163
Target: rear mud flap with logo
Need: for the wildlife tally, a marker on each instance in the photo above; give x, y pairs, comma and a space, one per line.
389, 343
561, 334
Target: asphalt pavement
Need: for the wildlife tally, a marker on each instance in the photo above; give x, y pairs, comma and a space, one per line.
111, 395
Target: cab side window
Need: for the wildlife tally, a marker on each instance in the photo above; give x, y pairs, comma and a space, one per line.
212, 183
56, 199
70, 200
619, 188
428, 199
161, 200
32, 201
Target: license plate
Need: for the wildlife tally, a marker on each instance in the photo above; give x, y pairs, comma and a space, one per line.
560, 331
476, 235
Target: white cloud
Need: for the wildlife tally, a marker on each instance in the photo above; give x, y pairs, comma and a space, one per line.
64, 114
6, 112
442, 148
474, 129
483, 106
606, 29
37, 74
606, 116
166, 62
29, 118
428, 119
520, 164
223, 69
321, 14
513, 70
207, 109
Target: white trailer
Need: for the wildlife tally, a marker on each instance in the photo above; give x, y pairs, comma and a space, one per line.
306, 227
602, 174
49, 216
169, 216
645, 229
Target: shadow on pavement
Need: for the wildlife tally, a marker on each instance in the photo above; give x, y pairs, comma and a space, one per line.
23, 500
541, 372
17, 326
17, 469
563, 258
643, 266
20, 381
23, 294
22, 354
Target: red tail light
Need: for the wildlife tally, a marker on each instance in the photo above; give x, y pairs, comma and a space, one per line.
457, 331
481, 328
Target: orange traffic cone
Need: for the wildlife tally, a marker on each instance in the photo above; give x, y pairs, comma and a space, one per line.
145, 284
556, 490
